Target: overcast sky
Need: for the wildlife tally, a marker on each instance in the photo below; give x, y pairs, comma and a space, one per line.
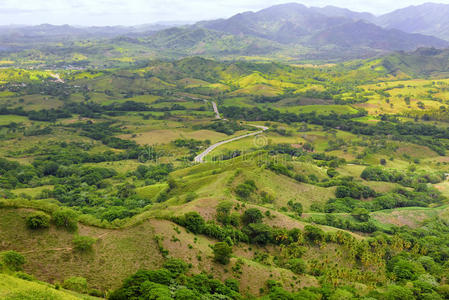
133, 12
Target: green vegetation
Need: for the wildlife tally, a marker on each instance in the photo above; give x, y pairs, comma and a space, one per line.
38, 220
342, 195
12, 260
83, 243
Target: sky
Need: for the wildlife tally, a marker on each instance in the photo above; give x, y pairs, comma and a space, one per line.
135, 12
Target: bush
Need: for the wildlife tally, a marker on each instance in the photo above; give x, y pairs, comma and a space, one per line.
395, 292
361, 214
233, 284
66, 218
341, 294
24, 276
76, 284
296, 207
245, 189
252, 215
258, 233
83, 243
222, 253
176, 266
297, 266
194, 222
12, 260
223, 209
407, 270
38, 220
314, 234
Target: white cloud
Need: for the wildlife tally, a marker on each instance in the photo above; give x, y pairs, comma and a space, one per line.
130, 12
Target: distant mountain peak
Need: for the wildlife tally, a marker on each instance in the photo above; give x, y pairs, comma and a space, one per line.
428, 18
294, 23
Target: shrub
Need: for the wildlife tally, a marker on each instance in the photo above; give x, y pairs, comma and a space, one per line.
252, 215
66, 218
12, 260
176, 266
83, 243
258, 233
443, 290
76, 284
296, 207
314, 234
245, 189
297, 265
223, 209
191, 196
341, 294
38, 220
395, 292
24, 276
361, 214
194, 222
407, 270
222, 253
233, 284
185, 294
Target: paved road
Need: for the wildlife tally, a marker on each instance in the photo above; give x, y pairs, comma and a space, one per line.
200, 158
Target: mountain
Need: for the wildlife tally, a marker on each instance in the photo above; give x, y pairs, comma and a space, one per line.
429, 19
363, 34
334, 11
58, 32
286, 23
329, 26
289, 31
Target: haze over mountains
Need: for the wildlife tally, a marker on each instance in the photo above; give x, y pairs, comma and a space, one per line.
291, 31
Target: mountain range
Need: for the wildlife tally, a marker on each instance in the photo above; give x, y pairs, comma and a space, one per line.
292, 31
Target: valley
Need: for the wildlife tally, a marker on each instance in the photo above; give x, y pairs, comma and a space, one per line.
291, 153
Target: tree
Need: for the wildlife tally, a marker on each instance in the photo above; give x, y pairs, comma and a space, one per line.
407, 270
259, 233
83, 243
314, 234
66, 218
296, 207
13, 260
38, 220
194, 222
252, 215
223, 209
222, 253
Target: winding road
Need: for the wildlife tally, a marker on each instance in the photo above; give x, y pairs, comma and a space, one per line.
200, 158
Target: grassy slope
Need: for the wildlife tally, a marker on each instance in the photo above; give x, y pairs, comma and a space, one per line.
118, 253
12, 288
